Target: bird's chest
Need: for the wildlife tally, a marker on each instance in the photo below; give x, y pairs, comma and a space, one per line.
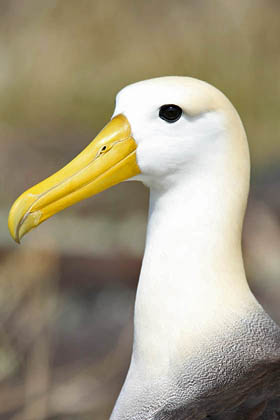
232, 373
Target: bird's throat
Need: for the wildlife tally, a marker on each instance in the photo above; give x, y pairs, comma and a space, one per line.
192, 278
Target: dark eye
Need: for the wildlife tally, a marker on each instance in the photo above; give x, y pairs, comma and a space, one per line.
170, 113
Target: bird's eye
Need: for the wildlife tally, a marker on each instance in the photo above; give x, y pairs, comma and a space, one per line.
170, 113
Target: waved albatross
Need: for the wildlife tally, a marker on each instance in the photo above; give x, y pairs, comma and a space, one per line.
203, 346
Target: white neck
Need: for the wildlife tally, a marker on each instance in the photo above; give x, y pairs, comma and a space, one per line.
192, 278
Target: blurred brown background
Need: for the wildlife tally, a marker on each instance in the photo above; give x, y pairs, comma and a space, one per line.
67, 293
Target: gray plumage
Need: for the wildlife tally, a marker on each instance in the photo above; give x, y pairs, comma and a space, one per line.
235, 377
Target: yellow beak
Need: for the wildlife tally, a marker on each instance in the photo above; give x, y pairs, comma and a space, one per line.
108, 160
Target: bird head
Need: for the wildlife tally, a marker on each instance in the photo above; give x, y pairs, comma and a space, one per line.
162, 130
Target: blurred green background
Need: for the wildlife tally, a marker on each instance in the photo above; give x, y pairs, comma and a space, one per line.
67, 293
